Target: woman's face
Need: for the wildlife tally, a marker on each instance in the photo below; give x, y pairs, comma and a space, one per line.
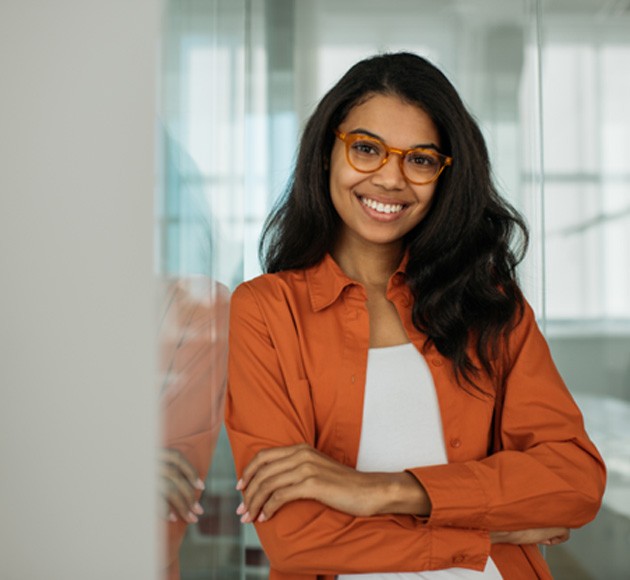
381, 207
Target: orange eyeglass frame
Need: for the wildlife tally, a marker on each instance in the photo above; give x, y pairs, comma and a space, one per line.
350, 138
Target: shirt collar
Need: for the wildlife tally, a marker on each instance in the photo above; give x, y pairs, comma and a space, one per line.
326, 281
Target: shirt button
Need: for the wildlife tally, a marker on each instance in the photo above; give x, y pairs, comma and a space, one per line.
456, 443
459, 558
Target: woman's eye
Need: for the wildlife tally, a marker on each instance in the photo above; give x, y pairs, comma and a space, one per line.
422, 158
366, 148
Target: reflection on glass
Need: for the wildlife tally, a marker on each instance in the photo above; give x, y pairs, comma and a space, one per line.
192, 355
201, 225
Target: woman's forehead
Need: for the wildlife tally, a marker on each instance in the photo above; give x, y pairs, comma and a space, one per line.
392, 119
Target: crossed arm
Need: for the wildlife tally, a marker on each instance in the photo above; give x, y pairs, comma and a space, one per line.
278, 476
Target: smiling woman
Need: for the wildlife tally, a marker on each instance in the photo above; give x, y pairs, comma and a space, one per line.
392, 405
373, 196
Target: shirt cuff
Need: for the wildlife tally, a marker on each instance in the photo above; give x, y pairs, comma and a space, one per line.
473, 548
456, 495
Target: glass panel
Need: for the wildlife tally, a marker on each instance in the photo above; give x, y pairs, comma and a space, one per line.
201, 230
586, 89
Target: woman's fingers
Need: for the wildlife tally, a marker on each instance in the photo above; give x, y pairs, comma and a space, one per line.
270, 471
306, 488
278, 476
559, 539
553, 536
275, 473
179, 484
180, 506
265, 457
545, 536
178, 461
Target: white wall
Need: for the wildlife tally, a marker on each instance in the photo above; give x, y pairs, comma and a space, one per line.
77, 407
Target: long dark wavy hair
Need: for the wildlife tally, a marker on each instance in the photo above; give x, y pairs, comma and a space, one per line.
462, 259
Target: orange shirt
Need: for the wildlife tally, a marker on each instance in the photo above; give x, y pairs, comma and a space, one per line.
297, 365
193, 365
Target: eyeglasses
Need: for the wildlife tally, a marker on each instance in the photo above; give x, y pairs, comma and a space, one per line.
368, 154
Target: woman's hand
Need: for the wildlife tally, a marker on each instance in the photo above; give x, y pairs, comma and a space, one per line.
280, 475
179, 484
545, 536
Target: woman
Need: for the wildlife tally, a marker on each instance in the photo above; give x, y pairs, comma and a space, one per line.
392, 406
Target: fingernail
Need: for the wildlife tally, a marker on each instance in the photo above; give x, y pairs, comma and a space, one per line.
245, 518
192, 518
197, 508
240, 510
262, 518
239, 485
172, 517
200, 484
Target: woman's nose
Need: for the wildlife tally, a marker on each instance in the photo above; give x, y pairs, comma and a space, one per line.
390, 175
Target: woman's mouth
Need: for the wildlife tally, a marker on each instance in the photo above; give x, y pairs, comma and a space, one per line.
380, 207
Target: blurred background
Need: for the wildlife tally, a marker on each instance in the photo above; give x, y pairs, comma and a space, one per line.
151, 138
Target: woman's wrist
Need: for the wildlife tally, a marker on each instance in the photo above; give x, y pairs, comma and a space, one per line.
403, 494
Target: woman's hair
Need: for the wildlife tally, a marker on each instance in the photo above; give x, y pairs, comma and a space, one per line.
461, 267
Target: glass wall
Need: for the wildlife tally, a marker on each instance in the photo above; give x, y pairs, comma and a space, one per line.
586, 120
201, 230
547, 82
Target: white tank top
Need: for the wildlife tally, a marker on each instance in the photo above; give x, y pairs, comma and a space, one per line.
402, 428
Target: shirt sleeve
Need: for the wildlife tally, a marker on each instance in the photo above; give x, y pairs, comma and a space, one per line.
548, 473
267, 409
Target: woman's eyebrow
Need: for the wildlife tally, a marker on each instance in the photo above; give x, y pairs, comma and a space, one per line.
361, 131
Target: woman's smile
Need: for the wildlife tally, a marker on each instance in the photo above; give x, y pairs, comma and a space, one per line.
381, 207
382, 210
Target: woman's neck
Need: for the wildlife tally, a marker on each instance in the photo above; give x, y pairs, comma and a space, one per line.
369, 264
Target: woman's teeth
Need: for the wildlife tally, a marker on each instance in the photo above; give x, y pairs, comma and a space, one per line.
381, 207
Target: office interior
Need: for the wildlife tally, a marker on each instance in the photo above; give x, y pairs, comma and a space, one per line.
104, 194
